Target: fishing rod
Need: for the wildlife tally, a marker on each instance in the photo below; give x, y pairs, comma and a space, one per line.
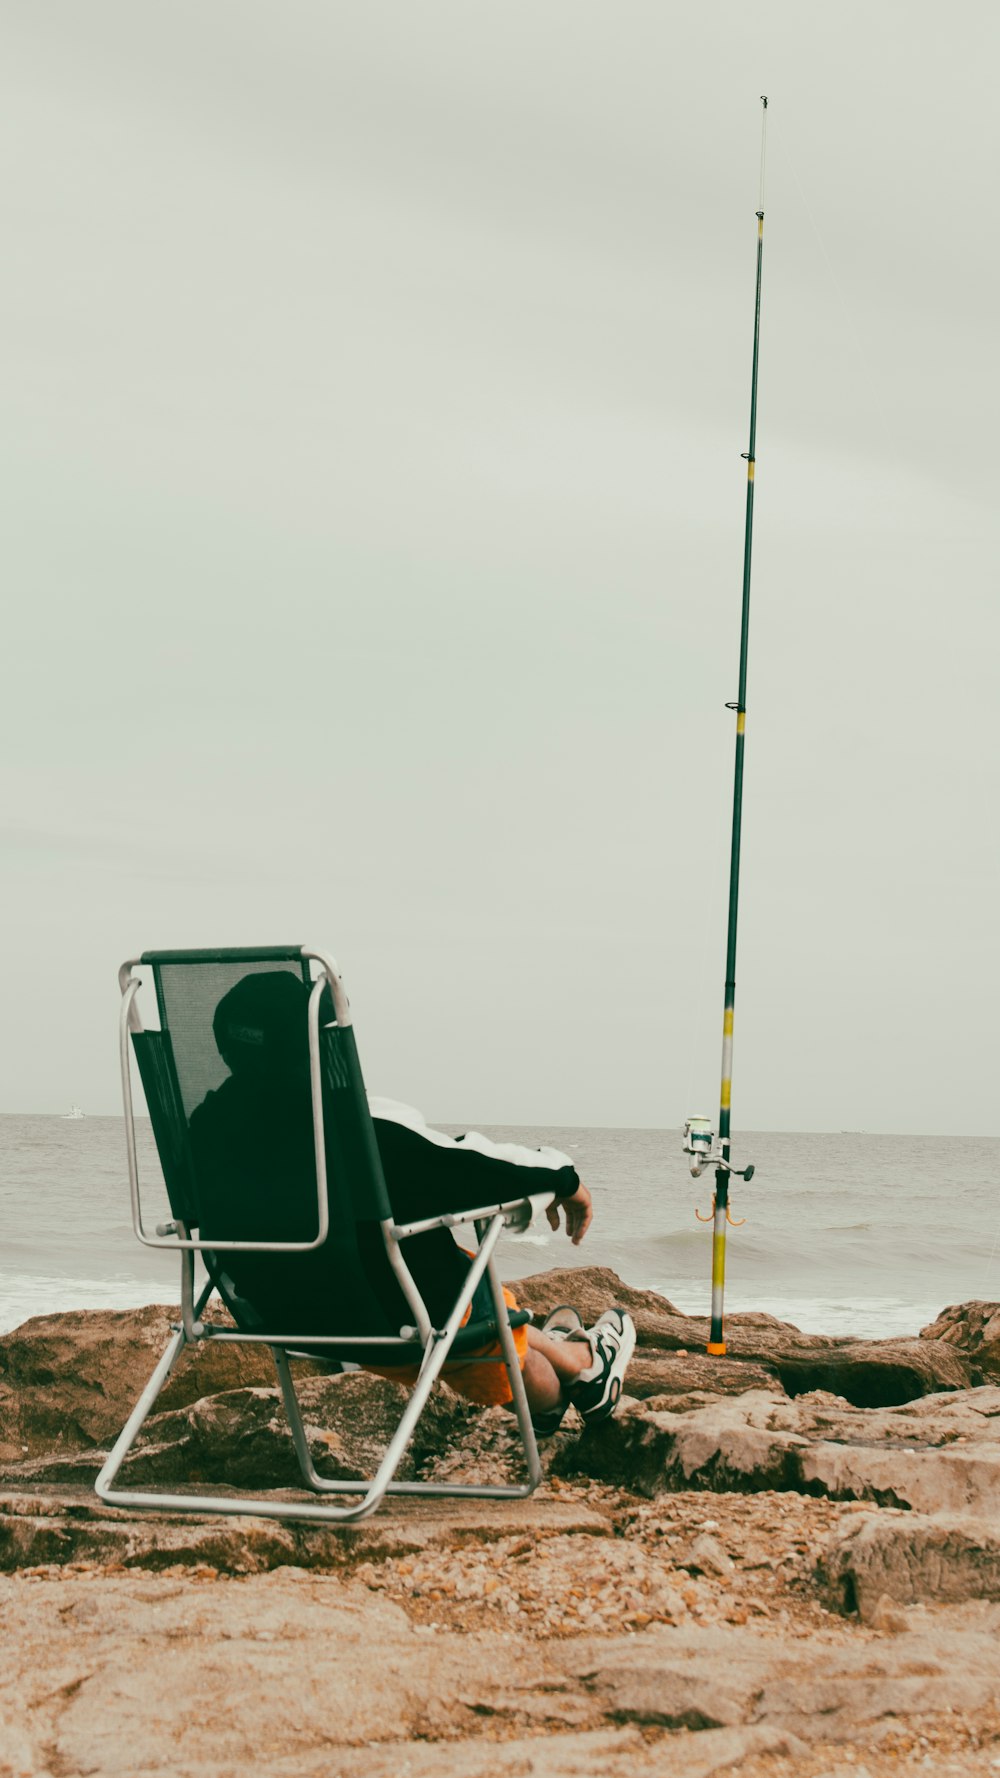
699, 1138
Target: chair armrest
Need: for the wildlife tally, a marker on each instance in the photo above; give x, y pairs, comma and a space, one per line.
517, 1213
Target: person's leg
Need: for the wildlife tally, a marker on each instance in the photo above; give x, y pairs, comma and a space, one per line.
551, 1368
586, 1366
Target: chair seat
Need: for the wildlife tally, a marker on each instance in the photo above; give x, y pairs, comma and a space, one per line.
471, 1338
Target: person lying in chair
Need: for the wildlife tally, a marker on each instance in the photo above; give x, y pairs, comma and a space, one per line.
253, 1150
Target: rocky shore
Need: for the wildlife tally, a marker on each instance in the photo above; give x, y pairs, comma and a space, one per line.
785, 1562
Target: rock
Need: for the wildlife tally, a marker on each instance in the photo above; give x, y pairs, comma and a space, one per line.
241, 1437
308, 1673
39, 1530
890, 1559
294, 1666
595, 1753
925, 1481
885, 1617
580, 1632
674, 1373
723, 1750
973, 1328
68, 1382
668, 1694
722, 1677
591, 1289
737, 1443
707, 1556
71, 1527
870, 1373
876, 1373
659, 1325
939, 1453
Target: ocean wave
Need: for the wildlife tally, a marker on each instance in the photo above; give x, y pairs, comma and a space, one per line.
836, 1223
821, 1252
865, 1318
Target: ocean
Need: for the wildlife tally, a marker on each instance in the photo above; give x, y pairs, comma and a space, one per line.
844, 1234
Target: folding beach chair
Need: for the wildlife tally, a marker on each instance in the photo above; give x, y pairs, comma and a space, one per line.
347, 1210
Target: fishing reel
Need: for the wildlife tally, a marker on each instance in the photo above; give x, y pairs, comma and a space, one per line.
699, 1144
698, 1139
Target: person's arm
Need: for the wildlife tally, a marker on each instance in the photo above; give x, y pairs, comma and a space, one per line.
428, 1173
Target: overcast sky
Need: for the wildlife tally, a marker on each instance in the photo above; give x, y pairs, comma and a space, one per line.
375, 382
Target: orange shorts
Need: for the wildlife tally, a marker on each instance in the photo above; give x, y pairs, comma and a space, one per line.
487, 1384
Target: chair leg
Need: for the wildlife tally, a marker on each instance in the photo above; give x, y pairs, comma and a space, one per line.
310, 1475
515, 1378
372, 1492
404, 1432
104, 1485
244, 1505
382, 1482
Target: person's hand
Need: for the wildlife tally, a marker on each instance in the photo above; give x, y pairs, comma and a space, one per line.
579, 1212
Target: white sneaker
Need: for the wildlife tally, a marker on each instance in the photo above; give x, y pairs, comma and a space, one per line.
597, 1390
562, 1322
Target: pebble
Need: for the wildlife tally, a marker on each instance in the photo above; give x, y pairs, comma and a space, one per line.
567, 1585
708, 1556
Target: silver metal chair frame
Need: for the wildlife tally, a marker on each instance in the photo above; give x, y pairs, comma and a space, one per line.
421, 1343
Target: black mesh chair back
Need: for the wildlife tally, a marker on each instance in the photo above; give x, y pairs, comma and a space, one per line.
227, 1083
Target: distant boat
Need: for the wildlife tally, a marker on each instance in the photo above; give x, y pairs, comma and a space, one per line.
73, 1112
